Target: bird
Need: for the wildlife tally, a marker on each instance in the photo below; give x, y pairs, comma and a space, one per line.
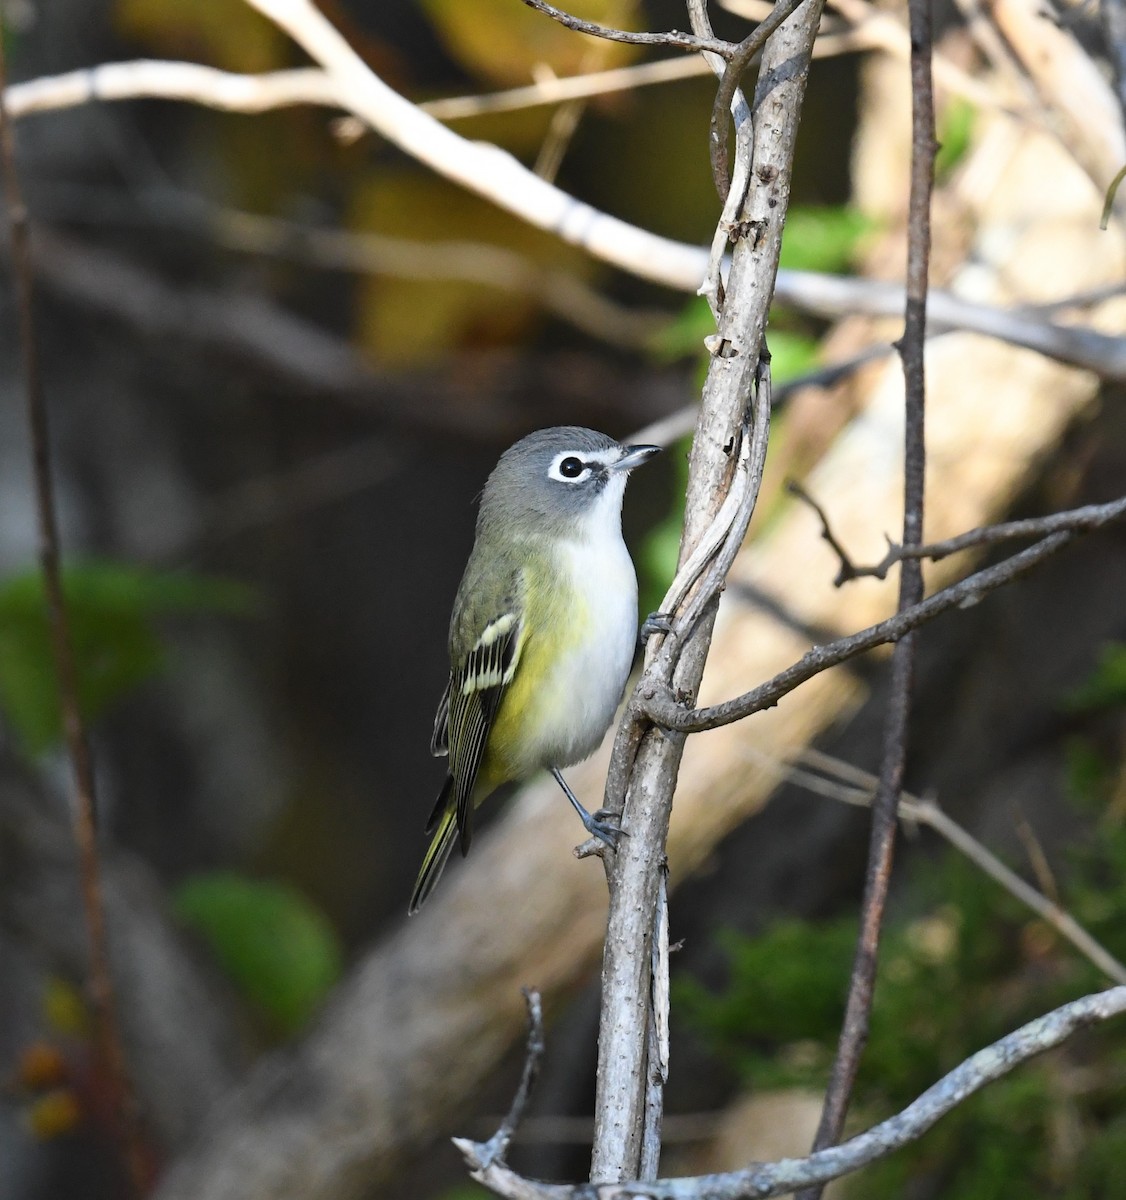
542, 633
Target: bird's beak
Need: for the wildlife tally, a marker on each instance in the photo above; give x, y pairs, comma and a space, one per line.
634, 456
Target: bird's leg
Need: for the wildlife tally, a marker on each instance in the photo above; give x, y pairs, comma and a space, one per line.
597, 824
654, 623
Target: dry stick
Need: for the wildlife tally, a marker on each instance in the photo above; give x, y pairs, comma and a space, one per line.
658, 1049
881, 850
657, 703
499, 178
495, 1149
1089, 516
650, 760
859, 789
747, 50
100, 983
681, 41
761, 1180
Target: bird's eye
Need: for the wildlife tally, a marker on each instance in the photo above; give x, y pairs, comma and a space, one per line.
571, 468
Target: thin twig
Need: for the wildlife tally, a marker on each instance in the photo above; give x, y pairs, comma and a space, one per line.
660, 706
674, 38
658, 1064
762, 1180
84, 812
505, 182
847, 569
712, 288
1089, 516
651, 768
893, 763
495, 1149
854, 786
745, 53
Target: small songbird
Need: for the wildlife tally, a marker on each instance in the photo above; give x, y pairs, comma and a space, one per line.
543, 630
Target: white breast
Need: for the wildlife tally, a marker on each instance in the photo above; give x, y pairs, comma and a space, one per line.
588, 683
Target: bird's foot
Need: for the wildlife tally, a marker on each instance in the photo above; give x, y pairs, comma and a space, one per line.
654, 623
605, 826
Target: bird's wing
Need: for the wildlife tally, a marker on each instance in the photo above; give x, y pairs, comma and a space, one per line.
440, 739
477, 685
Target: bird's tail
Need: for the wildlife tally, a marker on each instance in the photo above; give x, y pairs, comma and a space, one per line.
441, 844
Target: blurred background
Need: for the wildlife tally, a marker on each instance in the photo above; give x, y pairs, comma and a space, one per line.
281, 357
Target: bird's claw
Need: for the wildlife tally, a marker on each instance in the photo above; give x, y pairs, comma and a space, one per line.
654, 623
603, 825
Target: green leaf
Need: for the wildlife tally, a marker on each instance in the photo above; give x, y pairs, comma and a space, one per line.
110, 609
824, 239
955, 134
1105, 687
683, 336
791, 354
275, 945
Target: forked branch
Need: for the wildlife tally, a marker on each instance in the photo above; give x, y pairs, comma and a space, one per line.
761, 1180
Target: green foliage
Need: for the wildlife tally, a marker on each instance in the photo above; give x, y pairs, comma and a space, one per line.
824, 239
275, 945
111, 609
970, 966
955, 134
684, 335
817, 239
1105, 687
791, 354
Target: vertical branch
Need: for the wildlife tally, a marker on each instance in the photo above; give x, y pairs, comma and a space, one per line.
624, 1097
83, 813
658, 1046
854, 1033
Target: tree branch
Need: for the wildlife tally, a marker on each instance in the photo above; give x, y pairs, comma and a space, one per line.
658, 704
674, 38
1090, 516
762, 1180
893, 763
854, 786
496, 1148
498, 177
737, 62
100, 985
645, 764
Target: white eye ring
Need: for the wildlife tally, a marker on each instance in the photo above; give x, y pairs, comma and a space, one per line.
568, 458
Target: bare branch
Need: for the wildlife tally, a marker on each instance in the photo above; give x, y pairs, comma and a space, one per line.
674, 38
659, 705
658, 1051
858, 788
649, 761
893, 761
744, 54
166, 80
496, 1148
123, 1106
762, 1180
501, 179
1089, 516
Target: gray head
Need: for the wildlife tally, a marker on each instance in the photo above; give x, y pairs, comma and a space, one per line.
560, 479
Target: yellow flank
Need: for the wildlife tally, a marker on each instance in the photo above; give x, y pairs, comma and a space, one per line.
531, 707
